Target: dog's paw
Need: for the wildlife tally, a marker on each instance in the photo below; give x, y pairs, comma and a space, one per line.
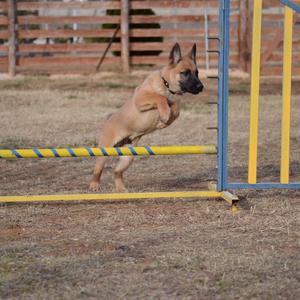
165, 115
175, 112
161, 125
121, 189
94, 186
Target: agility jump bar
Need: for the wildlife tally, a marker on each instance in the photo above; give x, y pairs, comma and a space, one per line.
106, 151
114, 196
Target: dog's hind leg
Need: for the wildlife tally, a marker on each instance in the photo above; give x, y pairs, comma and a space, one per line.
107, 140
95, 182
122, 165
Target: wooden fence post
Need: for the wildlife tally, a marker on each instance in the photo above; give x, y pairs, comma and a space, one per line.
244, 30
12, 37
125, 35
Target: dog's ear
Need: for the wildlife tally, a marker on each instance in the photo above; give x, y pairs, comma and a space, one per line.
192, 54
175, 55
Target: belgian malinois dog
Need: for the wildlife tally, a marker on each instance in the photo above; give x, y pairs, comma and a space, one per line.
152, 107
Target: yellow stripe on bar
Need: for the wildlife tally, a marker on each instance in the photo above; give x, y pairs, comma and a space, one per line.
173, 150
114, 196
286, 95
255, 79
108, 151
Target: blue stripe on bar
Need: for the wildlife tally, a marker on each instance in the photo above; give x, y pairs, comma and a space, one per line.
149, 150
54, 152
37, 152
132, 150
103, 151
119, 151
15, 152
70, 150
90, 151
263, 185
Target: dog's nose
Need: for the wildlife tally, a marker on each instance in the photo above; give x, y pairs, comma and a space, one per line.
200, 87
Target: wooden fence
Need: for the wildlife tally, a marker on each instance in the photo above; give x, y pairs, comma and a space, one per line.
71, 37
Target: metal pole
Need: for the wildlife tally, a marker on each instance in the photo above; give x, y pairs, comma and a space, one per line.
286, 95
224, 36
255, 82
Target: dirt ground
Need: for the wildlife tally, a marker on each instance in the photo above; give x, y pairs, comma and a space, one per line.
144, 249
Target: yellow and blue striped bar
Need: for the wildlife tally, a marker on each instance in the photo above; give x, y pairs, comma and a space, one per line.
255, 80
286, 95
106, 151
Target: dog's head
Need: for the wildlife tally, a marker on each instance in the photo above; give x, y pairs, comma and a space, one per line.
183, 72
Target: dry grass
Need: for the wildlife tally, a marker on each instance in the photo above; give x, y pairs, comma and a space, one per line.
182, 249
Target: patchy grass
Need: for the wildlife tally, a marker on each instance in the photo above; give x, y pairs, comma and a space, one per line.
166, 249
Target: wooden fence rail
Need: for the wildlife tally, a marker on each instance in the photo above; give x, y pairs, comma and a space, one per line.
71, 37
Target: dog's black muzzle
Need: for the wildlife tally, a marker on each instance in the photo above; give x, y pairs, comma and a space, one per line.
199, 88
193, 87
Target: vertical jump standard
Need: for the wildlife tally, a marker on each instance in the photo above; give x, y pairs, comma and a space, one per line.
290, 8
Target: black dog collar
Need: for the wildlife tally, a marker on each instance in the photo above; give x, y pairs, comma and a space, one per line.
166, 83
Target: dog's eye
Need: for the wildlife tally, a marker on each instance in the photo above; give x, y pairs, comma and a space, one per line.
186, 73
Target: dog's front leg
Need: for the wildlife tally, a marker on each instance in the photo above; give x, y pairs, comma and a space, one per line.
148, 101
175, 111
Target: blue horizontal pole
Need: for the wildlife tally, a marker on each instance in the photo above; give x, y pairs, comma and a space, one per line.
265, 185
291, 5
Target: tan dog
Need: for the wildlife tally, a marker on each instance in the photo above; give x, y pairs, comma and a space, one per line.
152, 107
